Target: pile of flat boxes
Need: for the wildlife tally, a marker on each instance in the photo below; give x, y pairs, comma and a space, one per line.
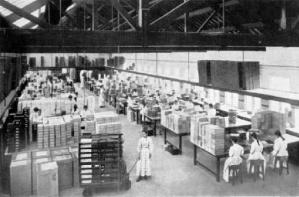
58, 131
44, 172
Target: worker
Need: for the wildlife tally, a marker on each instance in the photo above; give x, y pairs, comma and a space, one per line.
279, 149
76, 110
211, 111
101, 97
256, 152
143, 111
145, 149
85, 112
175, 106
235, 153
34, 115
134, 93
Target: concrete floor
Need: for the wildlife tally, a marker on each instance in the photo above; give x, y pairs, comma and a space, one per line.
177, 176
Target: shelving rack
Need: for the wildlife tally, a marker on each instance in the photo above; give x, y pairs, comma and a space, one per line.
100, 162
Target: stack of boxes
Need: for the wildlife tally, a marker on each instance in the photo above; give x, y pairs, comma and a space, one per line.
20, 174
38, 157
57, 134
46, 136
40, 136
76, 127
110, 128
178, 122
52, 136
64, 161
207, 136
47, 179
63, 134
90, 127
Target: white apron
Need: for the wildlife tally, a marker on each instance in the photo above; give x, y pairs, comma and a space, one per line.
144, 148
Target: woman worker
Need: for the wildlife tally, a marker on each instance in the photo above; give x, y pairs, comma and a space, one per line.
144, 149
280, 149
256, 152
235, 153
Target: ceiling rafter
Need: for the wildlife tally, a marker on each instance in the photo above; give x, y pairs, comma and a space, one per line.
124, 14
24, 14
28, 8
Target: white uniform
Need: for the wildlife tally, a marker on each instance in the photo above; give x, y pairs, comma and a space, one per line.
256, 153
235, 153
144, 148
101, 98
280, 150
211, 113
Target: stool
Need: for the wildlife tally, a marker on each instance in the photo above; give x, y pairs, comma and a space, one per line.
258, 166
281, 160
235, 173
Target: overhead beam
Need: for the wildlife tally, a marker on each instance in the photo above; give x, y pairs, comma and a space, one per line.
171, 15
24, 14
206, 21
206, 10
124, 14
28, 8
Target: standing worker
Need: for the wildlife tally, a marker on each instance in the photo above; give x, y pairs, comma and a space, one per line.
145, 149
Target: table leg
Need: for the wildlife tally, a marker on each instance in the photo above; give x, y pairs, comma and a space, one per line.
165, 138
194, 154
180, 144
218, 170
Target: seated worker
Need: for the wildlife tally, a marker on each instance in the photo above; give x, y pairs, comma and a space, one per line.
235, 153
211, 111
256, 152
280, 149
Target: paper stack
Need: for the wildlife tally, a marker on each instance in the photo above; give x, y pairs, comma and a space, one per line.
52, 135
90, 126
63, 134
57, 135
46, 136
110, 128
40, 136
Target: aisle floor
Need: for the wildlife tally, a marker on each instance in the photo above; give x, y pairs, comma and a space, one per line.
177, 176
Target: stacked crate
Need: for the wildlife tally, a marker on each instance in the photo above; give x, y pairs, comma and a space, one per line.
20, 174
63, 133
65, 167
100, 158
57, 135
40, 136
38, 157
111, 128
52, 135
46, 135
47, 179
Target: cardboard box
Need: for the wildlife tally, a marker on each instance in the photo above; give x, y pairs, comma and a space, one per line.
20, 178
65, 171
47, 179
35, 163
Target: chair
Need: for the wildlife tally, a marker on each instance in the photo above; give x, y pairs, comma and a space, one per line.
258, 166
235, 173
281, 167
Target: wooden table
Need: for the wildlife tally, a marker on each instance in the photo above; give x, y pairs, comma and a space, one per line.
218, 157
239, 125
180, 135
153, 120
136, 111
